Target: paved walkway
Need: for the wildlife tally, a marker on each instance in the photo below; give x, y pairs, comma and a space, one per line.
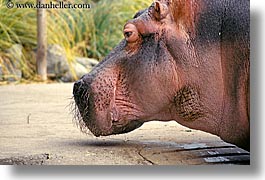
36, 128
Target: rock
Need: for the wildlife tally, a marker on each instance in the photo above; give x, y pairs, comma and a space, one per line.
1, 73
79, 70
81, 66
16, 52
13, 64
87, 62
57, 65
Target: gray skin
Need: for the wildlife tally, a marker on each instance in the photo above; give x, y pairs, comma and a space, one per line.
160, 71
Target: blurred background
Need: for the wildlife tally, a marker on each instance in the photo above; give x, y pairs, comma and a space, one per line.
77, 39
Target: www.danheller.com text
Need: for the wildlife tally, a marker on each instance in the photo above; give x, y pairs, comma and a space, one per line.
48, 5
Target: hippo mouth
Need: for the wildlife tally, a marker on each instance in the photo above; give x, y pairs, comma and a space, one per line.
88, 120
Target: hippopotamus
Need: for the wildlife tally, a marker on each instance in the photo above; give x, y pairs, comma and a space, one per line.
181, 60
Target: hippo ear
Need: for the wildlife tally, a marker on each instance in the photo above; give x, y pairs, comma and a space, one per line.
161, 10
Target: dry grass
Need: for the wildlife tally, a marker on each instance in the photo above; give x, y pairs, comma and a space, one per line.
82, 32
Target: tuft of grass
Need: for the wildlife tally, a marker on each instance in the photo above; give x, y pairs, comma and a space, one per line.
109, 18
81, 32
16, 27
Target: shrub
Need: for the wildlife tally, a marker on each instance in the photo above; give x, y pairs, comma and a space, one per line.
82, 32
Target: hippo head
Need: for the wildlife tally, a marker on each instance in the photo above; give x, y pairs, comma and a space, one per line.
177, 61
140, 80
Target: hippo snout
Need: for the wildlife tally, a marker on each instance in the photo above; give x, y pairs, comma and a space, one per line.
81, 93
77, 86
81, 89
95, 102
85, 114
81, 96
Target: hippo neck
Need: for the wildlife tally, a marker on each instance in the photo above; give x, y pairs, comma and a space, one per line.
223, 42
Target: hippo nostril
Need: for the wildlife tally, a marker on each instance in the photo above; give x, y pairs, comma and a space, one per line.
78, 84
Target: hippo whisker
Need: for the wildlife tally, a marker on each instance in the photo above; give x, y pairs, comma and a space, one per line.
77, 117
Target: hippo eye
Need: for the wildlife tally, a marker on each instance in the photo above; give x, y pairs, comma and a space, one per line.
127, 34
130, 33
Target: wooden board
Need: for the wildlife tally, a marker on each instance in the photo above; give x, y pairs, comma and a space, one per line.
197, 154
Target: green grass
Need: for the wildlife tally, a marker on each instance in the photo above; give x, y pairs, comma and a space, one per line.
82, 32
17, 27
109, 18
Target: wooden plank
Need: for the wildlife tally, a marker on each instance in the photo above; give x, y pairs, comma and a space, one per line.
222, 151
235, 159
196, 154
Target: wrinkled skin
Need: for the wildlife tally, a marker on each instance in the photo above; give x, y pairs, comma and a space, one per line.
162, 71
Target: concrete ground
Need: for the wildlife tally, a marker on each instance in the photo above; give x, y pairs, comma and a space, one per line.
36, 128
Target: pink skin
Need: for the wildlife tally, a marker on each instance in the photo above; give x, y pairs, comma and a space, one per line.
155, 73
